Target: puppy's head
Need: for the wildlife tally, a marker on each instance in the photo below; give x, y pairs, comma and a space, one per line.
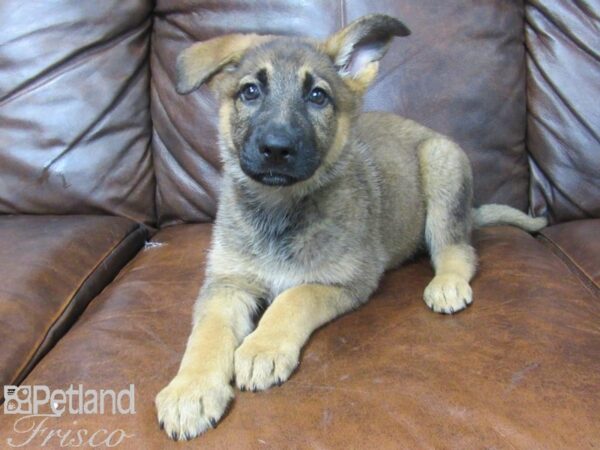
287, 104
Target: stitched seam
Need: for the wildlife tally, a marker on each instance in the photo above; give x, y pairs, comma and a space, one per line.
343, 19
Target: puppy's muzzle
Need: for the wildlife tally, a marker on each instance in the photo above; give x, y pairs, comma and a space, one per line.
277, 158
277, 150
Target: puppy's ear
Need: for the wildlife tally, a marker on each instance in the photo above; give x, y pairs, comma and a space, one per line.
357, 48
200, 62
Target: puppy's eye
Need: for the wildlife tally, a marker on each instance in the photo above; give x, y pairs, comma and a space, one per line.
250, 92
317, 96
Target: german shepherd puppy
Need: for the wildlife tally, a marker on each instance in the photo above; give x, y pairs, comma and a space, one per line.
318, 200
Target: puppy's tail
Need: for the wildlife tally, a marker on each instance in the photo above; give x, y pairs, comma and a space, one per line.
494, 214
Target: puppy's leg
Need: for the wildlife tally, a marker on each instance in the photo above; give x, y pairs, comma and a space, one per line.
198, 395
447, 184
270, 354
449, 291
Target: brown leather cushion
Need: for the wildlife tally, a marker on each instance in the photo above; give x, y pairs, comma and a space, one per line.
563, 68
74, 108
461, 72
520, 368
578, 243
50, 269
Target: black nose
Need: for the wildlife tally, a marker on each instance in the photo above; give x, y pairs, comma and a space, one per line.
277, 147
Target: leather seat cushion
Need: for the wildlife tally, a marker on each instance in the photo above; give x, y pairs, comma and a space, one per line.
50, 269
519, 368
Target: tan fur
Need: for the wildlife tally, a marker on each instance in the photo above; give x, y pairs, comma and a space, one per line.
201, 61
200, 392
342, 44
493, 214
449, 290
362, 81
224, 125
385, 188
270, 354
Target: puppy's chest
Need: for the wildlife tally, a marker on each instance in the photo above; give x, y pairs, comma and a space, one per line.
295, 238
313, 253
305, 244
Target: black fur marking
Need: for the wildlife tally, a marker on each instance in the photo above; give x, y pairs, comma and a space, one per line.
261, 306
262, 77
307, 84
460, 215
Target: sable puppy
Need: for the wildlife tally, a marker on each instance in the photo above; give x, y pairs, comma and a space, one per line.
318, 200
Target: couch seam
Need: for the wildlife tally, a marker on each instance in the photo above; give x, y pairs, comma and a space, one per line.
575, 268
21, 373
526, 56
149, 54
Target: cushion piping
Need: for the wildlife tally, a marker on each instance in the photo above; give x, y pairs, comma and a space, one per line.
583, 276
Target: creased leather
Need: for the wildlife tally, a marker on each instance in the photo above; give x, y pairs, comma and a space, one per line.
74, 108
563, 84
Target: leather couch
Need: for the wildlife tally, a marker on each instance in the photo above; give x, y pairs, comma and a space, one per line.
109, 181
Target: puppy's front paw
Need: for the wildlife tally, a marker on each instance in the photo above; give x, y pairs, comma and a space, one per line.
448, 294
262, 363
189, 405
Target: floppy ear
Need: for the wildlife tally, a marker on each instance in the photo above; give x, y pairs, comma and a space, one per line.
198, 63
357, 48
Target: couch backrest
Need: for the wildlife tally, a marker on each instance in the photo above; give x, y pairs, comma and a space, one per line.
74, 108
461, 72
75, 125
563, 82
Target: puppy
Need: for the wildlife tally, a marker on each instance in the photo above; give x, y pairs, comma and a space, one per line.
318, 200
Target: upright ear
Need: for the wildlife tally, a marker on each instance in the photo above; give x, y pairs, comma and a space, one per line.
357, 48
198, 63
